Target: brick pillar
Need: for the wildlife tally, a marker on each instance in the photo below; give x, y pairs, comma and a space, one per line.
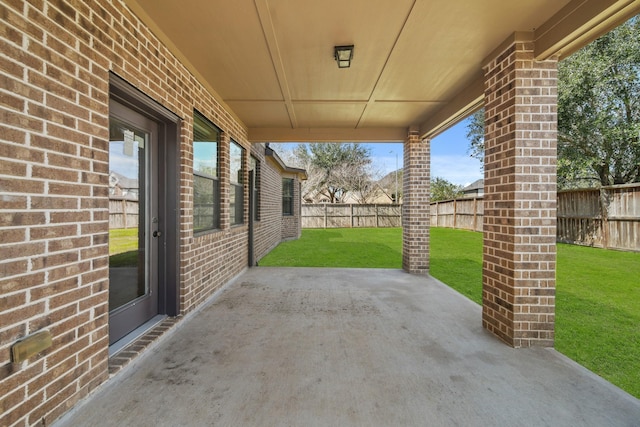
519, 250
415, 204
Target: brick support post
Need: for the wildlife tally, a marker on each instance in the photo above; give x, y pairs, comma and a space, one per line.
415, 205
519, 250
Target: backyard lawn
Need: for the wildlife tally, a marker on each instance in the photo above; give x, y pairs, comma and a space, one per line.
123, 247
597, 295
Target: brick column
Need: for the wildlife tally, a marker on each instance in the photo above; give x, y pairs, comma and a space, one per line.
415, 204
519, 250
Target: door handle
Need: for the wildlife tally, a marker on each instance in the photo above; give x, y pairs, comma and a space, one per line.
157, 233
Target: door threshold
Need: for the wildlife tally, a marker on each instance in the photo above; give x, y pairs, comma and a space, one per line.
117, 346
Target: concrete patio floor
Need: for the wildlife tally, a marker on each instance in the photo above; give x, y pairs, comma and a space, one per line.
347, 347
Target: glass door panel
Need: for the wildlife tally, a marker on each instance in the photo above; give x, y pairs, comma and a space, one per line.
127, 165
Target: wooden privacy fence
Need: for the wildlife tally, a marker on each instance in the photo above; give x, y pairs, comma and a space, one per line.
328, 215
123, 213
604, 218
460, 213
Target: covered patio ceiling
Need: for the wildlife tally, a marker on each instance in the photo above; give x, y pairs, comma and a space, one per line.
417, 63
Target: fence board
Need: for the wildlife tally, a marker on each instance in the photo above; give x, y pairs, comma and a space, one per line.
327, 215
123, 213
604, 218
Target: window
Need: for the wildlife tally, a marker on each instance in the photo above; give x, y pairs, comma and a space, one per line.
253, 167
236, 193
206, 199
287, 196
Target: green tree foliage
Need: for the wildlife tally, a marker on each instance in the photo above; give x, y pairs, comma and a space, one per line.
475, 135
599, 109
335, 168
441, 189
598, 112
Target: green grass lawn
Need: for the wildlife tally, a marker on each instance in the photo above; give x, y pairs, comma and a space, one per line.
123, 247
597, 295
340, 247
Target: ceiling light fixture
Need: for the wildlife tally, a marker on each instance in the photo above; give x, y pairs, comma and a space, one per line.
343, 55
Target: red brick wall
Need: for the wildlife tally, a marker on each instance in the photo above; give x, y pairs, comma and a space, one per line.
520, 197
54, 191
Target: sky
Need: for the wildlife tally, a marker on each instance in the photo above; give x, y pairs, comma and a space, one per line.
449, 158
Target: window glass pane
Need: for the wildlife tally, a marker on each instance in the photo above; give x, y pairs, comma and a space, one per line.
204, 202
235, 154
287, 196
205, 147
253, 166
205, 174
236, 196
236, 201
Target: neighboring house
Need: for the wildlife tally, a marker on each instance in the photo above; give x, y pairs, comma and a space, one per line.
120, 185
379, 192
475, 189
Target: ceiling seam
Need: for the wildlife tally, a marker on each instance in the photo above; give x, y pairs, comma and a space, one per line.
370, 101
269, 34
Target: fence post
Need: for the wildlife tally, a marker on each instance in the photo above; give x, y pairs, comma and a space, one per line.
124, 213
455, 213
475, 213
604, 214
351, 214
325, 215
375, 209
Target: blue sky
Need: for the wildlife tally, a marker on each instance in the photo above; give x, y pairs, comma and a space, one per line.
449, 158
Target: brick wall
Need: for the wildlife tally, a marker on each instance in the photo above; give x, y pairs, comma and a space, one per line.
520, 197
415, 206
268, 236
292, 224
54, 191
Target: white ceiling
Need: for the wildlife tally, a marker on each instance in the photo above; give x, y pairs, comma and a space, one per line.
417, 63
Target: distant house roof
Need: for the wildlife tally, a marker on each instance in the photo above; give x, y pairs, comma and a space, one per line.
269, 153
123, 181
476, 187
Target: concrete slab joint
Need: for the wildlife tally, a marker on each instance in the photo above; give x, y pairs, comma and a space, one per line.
519, 250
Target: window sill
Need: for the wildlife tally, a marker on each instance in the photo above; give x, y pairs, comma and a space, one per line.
203, 233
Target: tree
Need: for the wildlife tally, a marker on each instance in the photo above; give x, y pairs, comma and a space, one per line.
599, 109
391, 185
334, 169
598, 112
475, 135
441, 189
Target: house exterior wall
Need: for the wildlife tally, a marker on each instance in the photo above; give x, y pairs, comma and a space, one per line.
270, 210
54, 178
274, 227
292, 224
